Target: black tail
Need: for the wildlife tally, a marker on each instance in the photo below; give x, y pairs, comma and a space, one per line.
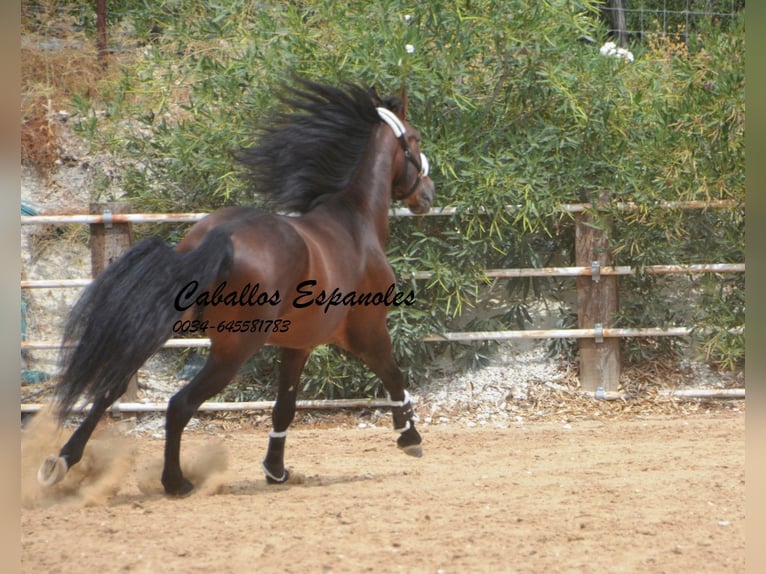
125, 315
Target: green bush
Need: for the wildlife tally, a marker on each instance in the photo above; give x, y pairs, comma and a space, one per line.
514, 109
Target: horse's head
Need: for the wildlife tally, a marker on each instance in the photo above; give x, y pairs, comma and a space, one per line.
412, 184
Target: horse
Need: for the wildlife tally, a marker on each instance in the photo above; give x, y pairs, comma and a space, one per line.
308, 269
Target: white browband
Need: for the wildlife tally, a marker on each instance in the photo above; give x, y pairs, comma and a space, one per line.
394, 123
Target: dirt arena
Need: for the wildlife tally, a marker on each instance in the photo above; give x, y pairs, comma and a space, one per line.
659, 494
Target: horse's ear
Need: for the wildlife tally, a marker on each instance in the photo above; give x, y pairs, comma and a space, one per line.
395, 104
374, 97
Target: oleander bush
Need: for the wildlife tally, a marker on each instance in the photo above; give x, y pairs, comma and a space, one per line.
517, 108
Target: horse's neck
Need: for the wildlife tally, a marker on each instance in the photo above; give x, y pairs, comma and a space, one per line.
369, 194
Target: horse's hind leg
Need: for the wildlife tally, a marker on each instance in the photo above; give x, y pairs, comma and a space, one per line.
291, 366
215, 374
54, 468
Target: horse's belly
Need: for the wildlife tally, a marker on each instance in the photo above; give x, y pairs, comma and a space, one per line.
302, 328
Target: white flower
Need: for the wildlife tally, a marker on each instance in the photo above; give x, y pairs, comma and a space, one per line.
611, 49
407, 17
624, 54
608, 48
409, 48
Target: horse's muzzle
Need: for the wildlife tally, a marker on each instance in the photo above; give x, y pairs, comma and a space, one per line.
421, 201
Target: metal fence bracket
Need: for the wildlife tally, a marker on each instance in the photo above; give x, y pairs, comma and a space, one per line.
107, 218
595, 271
599, 332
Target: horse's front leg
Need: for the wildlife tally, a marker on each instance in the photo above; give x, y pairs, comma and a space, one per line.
291, 366
403, 413
377, 354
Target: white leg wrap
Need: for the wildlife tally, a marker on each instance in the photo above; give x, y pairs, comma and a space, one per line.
271, 476
407, 399
275, 434
405, 405
405, 428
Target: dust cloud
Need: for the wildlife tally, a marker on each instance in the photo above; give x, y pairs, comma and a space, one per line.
107, 465
205, 465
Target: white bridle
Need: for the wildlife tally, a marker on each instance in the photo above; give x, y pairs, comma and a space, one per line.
397, 127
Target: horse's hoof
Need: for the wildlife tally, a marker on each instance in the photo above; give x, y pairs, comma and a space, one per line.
184, 489
413, 450
52, 470
284, 479
409, 441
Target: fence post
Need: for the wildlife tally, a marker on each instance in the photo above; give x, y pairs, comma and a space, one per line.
101, 31
107, 242
596, 305
616, 21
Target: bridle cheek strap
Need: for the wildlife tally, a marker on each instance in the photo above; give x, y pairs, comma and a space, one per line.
422, 168
397, 127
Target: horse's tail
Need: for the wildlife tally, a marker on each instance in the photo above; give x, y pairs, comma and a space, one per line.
125, 315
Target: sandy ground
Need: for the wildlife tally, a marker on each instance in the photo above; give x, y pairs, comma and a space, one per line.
661, 494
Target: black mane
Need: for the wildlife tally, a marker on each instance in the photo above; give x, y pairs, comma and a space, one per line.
313, 148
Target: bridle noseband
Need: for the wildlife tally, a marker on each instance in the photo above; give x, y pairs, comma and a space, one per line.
421, 164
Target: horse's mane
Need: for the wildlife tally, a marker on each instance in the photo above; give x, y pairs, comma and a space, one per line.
312, 148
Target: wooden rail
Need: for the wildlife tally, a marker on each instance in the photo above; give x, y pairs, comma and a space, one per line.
210, 406
465, 336
85, 218
494, 273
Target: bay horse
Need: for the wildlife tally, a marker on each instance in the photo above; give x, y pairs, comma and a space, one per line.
310, 271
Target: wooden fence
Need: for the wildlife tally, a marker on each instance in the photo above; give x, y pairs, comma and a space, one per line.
596, 279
